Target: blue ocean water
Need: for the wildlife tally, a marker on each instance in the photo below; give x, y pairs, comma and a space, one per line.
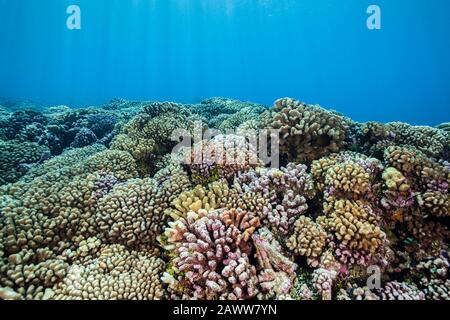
318, 51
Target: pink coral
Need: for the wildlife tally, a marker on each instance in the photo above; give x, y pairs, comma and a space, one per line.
287, 190
323, 281
401, 291
278, 272
209, 262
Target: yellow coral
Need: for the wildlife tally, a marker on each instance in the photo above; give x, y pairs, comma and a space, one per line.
395, 180
438, 203
348, 177
308, 238
320, 167
208, 198
402, 158
353, 223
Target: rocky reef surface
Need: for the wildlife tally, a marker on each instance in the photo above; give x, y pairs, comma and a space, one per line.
95, 204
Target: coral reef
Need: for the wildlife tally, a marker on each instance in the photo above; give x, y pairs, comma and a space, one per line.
211, 258
60, 127
47, 214
401, 291
354, 224
84, 137
432, 277
101, 203
428, 140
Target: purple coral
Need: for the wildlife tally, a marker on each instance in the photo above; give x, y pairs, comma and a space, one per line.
292, 177
287, 189
394, 200
284, 215
395, 290
104, 184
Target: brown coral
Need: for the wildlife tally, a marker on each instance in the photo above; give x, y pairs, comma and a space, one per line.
306, 132
16, 158
244, 221
349, 173
148, 136
437, 203
113, 274
48, 213
130, 214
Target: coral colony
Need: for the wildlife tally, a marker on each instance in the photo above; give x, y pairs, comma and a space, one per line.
96, 204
